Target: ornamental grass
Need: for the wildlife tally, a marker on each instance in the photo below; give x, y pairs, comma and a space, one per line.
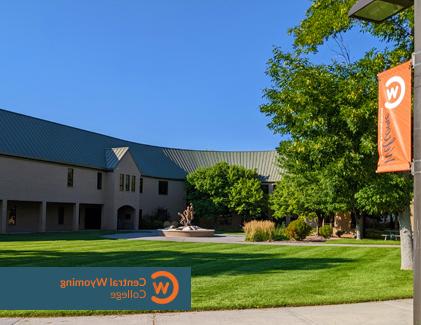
256, 230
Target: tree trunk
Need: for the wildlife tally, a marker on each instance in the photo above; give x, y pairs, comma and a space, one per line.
406, 240
318, 225
359, 226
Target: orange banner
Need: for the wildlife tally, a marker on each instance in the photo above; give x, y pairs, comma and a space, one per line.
394, 127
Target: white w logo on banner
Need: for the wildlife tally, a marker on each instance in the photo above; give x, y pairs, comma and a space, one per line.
392, 92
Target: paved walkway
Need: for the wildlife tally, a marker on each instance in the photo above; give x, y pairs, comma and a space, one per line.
155, 235
398, 312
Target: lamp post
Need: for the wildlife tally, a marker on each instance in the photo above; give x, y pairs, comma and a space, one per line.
378, 11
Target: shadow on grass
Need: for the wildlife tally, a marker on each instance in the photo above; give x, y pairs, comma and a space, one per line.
79, 235
202, 263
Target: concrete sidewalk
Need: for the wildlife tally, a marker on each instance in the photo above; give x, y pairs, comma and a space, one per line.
155, 235
397, 312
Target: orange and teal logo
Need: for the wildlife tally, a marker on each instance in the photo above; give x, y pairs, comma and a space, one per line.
96, 288
161, 287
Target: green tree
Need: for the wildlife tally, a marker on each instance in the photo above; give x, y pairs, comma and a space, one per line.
327, 112
326, 19
302, 195
225, 189
246, 197
330, 112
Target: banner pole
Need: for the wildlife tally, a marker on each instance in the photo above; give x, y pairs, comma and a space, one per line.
417, 165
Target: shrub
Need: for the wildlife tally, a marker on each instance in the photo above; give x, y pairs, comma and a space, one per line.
259, 230
326, 231
298, 229
280, 233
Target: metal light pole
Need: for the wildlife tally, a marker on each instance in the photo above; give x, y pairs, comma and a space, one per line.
417, 164
378, 11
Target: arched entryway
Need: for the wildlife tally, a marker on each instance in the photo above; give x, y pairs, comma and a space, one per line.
125, 217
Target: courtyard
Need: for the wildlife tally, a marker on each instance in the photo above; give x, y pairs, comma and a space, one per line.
227, 276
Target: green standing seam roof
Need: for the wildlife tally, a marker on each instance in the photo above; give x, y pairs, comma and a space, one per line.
113, 156
28, 137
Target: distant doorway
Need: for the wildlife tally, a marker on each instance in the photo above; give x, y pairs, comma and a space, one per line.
93, 217
125, 218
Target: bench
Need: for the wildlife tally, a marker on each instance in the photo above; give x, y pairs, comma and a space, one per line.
391, 235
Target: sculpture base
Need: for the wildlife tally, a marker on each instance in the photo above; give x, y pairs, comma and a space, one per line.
188, 233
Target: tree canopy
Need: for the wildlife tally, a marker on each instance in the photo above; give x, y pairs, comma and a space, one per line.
329, 114
225, 189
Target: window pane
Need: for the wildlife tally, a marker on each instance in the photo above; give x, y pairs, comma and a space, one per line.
140, 185
163, 188
133, 187
99, 181
70, 177
121, 182
127, 183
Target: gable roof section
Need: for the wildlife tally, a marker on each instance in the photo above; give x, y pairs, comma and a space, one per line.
33, 138
113, 156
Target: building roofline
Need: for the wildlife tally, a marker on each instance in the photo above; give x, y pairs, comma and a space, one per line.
129, 141
64, 163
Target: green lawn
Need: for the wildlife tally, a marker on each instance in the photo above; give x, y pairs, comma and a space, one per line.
363, 241
227, 276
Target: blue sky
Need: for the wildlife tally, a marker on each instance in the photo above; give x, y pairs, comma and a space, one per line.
177, 73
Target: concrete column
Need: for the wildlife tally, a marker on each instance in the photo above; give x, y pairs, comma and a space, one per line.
75, 220
105, 220
136, 219
42, 217
109, 217
3, 217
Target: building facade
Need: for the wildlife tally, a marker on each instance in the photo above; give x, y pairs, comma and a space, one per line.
59, 178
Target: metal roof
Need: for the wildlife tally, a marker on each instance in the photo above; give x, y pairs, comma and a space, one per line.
113, 156
33, 138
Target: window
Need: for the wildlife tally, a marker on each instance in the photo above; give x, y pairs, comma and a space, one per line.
121, 182
127, 183
99, 181
163, 188
265, 188
140, 185
70, 173
11, 221
133, 185
61, 215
